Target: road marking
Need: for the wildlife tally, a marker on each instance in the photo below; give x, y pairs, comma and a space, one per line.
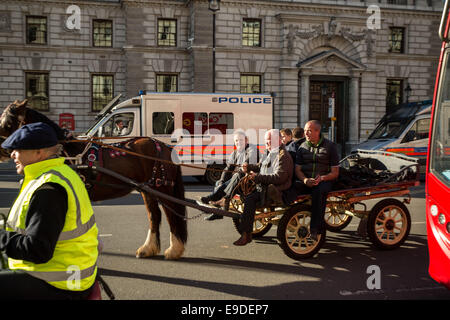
105, 235
401, 290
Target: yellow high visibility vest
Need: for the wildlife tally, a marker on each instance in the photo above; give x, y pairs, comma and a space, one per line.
74, 262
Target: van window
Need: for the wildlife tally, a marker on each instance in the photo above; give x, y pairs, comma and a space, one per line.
418, 131
221, 121
386, 130
189, 119
118, 125
163, 122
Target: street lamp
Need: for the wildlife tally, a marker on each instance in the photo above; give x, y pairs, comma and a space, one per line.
408, 92
214, 6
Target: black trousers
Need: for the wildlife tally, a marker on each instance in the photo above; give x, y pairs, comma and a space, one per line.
251, 202
318, 194
18, 285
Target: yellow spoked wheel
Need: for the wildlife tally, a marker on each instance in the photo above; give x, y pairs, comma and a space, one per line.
334, 220
260, 226
293, 233
389, 224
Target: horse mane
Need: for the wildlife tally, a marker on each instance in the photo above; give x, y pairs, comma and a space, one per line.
32, 115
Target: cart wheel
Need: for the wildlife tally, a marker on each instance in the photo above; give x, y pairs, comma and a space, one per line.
335, 221
389, 224
212, 176
293, 232
260, 226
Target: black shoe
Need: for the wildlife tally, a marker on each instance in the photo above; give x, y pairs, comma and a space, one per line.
213, 216
205, 200
314, 235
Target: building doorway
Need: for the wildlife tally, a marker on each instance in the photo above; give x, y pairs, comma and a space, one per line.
319, 93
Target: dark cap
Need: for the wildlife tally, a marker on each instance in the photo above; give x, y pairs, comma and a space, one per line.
36, 135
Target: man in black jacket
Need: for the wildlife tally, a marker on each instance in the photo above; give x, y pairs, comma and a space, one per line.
244, 153
316, 167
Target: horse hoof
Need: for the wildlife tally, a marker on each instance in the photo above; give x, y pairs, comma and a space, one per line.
172, 254
144, 252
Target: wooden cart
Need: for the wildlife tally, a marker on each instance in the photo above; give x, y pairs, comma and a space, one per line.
387, 224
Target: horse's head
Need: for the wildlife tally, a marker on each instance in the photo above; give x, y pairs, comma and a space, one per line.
12, 118
4, 154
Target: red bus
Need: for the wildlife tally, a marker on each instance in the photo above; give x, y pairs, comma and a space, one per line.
438, 165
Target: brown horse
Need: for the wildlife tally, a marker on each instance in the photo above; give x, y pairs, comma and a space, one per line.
163, 176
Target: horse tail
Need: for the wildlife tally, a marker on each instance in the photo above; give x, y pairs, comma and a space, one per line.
180, 221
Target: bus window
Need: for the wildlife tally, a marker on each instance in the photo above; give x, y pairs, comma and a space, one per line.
189, 119
221, 121
163, 122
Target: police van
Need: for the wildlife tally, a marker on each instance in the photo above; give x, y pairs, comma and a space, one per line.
199, 126
404, 130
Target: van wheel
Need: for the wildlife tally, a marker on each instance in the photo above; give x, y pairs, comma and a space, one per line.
212, 176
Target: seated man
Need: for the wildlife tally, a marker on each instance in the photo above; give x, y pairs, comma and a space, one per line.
298, 137
244, 153
274, 172
316, 167
286, 136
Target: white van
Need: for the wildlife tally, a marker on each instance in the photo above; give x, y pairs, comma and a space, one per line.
405, 130
198, 125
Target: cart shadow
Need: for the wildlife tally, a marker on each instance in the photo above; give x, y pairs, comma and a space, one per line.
338, 271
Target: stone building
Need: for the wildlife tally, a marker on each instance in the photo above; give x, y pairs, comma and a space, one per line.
73, 56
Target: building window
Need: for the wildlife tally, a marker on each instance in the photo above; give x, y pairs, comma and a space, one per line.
397, 40
36, 30
251, 33
166, 83
398, 2
250, 83
394, 90
102, 33
102, 90
167, 32
36, 86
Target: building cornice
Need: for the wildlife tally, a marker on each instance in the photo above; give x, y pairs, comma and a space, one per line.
332, 8
57, 49
64, 2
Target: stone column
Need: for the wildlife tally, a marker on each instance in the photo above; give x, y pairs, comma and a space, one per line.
353, 112
286, 105
304, 96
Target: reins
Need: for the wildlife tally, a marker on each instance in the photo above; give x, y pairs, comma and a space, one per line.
78, 157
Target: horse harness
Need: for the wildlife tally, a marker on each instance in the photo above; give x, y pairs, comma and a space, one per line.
93, 155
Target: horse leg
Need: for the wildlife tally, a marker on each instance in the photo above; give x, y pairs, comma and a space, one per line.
178, 231
152, 245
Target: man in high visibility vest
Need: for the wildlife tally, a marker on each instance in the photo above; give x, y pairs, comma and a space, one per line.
51, 234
